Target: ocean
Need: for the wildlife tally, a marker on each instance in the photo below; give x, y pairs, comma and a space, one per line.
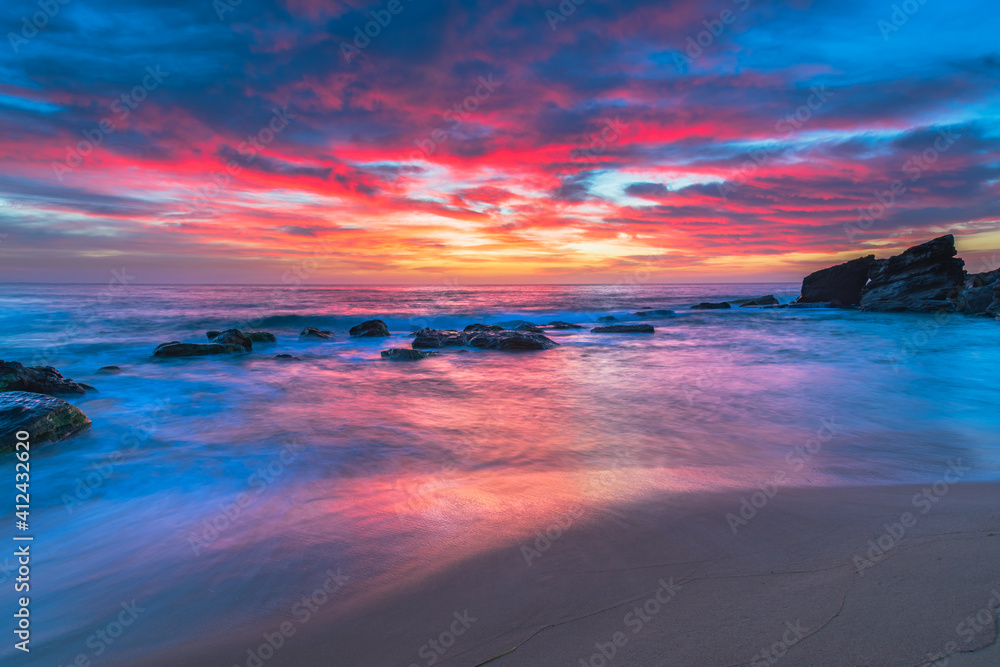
210, 491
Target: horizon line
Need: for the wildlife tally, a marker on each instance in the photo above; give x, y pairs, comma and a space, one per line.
773, 282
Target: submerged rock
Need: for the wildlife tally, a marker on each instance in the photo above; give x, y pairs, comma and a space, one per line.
261, 336
924, 278
705, 305
625, 328
769, 300
15, 376
45, 418
108, 370
483, 327
607, 318
254, 336
405, 354
818, 304
510, 340
370, 328
842, 283
558, 324
177, 349
234, 337
286, 357
504, 339
311, 332
434, 338
653, 313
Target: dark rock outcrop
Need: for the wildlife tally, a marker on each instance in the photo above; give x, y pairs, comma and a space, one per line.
607, 318
312, 332
234, 337
286, 357
558, 324
994, 309
435, 338
625, 328
15, 376
483, 327
982, 279
45, 418
405, 354
924, 278
177, 349
510, 341
705, 305
108, 370
370, 329
975, 300
530, 328
842, 283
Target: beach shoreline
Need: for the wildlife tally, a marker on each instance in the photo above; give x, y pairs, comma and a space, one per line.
667, 582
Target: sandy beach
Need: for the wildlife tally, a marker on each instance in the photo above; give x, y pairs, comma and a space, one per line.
879, 576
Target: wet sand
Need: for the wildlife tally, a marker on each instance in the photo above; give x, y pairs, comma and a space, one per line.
818, 576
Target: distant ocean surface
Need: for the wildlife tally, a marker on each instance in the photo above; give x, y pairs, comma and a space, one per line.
212, 489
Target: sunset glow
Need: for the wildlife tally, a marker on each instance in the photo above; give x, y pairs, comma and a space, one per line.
492, 143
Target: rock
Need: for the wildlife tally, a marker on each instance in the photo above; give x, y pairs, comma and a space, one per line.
982, 279
607, 318
994, 309
653, 313
924, 278
108, 370
177, 349
310, 332
404, 354
261, 336
705, 305
831, 304
369, 329
768, 300
234, 337
510, 341
434, 338
530, 328
483, 327
45, 418
563, 325
625, 328
510, 325
842, 283
491, 340
975, 300
286, 357
15, 376
254, 336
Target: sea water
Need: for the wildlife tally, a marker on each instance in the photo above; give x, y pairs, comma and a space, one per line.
211, 491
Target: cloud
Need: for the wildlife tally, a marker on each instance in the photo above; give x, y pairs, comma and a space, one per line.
735, 157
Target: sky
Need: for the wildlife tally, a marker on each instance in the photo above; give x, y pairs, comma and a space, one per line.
423, 141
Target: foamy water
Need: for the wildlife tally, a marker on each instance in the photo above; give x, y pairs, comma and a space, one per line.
212, 490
